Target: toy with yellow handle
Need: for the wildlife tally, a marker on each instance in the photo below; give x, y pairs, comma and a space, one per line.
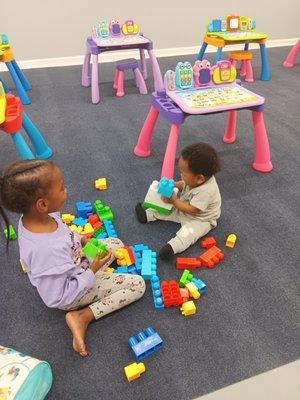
224, 72
2, 104
130, 28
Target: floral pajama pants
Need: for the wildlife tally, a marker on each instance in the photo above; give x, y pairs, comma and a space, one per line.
112, 291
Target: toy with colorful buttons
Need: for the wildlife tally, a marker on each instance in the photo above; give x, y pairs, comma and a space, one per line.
232, 23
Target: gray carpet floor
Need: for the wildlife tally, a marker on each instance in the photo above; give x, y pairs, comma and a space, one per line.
246, 323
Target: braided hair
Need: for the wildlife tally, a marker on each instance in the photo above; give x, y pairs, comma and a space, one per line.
21, 184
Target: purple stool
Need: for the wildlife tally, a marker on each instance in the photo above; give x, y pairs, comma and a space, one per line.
122, 66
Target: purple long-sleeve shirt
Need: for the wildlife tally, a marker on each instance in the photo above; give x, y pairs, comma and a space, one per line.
54, 264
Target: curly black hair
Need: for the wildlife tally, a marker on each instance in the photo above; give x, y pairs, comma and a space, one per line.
202, 159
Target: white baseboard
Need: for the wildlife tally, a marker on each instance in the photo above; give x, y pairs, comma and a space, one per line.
116, 55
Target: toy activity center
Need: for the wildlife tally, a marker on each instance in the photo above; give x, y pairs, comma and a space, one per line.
114, 96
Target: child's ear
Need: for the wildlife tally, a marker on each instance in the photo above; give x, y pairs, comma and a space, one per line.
200, 179
41, 205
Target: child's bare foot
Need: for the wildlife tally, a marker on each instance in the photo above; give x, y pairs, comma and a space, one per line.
78, 322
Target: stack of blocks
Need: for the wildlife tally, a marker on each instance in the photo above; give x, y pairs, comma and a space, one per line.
165, 187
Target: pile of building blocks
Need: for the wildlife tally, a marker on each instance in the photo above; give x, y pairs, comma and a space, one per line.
10, 233
165, 187
212, 256
142, 345
92, 220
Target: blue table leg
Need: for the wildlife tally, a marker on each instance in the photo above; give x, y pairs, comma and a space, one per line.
218, 55
265, 70
246, 47
41, 147
19, 87
5, 87
25, 82
202, 51
22, 146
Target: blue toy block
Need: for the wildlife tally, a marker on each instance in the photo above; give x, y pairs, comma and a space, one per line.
84, 209
132, 270
166, 187
200, 285
121, 270
156, 293
79, 221
138, 251
110, 229
145, 343
149, 262
140, 247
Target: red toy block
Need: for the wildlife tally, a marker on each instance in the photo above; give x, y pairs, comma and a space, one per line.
130, 254
187, 263
13, 114
208, 242
93, 219
211, 257
171, 293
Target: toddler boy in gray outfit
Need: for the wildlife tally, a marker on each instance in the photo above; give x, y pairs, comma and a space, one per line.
198, 204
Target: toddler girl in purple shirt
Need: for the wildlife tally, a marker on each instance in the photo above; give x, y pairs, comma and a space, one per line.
51, 253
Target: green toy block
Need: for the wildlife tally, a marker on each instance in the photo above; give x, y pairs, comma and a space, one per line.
12, 233
98, 231
186, 277
157, 208
103, 211
92, 247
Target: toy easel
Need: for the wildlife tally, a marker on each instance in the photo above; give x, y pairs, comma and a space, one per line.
12, 119
19, 79
202, 89
290, 60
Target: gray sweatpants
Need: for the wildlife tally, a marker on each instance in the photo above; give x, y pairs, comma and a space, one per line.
191, 228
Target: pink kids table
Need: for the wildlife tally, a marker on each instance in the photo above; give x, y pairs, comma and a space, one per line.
202, 90
113, 39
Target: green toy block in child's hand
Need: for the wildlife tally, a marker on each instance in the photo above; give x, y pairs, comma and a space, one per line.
93, 247
12, 233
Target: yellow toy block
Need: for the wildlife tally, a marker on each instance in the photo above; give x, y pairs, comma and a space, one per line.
109, 270
133, 371
122, 257
188, 308
76, 228
231, 239
193, 290
67, 218
101, 184
87, 229
2, 104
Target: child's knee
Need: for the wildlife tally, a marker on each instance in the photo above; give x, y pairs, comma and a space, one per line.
140, 284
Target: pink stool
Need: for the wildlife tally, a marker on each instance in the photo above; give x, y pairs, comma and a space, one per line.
246, 67
122, 66
290, 60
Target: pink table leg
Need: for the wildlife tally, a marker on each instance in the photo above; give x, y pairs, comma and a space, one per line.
262, 160
143, 64
158, 81
86, 70
290, 60
170, 154
143, 146
230, 132
95, 80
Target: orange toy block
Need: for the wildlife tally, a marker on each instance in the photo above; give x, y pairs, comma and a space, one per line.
211, 257
130, 254
93, 219
187, 263
208, 242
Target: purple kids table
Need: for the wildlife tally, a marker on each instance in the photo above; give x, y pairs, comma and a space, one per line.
177, 104
97, 45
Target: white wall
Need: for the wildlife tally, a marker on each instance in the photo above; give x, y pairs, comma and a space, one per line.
58, 28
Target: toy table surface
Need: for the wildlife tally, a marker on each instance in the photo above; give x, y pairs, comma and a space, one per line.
206, 100
237, 36
119, 41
